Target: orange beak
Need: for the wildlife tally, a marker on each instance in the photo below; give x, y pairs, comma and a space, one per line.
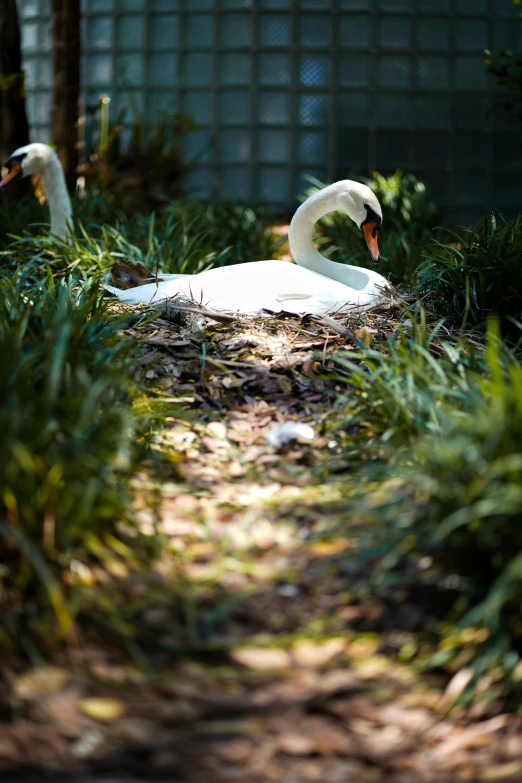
12, 174
370, 231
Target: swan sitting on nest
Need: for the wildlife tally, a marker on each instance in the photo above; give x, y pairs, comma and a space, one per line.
313, 285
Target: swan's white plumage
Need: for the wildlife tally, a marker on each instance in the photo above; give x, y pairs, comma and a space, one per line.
313, 285
258, 285
41, 159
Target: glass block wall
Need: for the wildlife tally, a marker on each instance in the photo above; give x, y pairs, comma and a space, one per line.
285, 88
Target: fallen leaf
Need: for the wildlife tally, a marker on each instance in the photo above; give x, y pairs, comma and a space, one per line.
262, 658
217, 429
103, 709
39, 682
313, 656
456, 686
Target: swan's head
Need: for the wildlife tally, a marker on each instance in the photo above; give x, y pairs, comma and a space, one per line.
25, 161
362, 205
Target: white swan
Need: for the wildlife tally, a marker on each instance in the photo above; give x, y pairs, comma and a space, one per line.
315, 285
41, 159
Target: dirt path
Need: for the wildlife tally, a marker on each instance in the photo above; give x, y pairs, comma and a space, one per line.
270, 658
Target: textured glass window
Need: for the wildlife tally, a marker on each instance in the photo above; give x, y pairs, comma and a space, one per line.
30, 8
353, 109
394, 148
432, 111
315, 31
275, 3
314, 71
394, 110
395, 5
274, 31
323, 87
353, 149
432, 147
356, 5
315, 4
199, 106
234, 107
471, 35
472, 7
234, 146
130, 32
235, 30
433, 33
197, 68
234, 68
273, 185
99, 32
162, 69
30, 36
274, 68
472, 146
131, 5
100, 5
470, 111
354, 71
470, 186
395, 32
274, 108
197, 146
313, 109
274, 146
164, 5
198, 32
434, 5
129, 68
433, 72
164, 31
160, 102
394, 71
470, 73
235, 183
312, 147
99, 69
355, 32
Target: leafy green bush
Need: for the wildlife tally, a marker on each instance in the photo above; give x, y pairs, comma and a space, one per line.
409, 217
67, 430
478, 274
446, 421
401, 390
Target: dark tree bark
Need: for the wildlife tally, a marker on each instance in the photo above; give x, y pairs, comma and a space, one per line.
14, 129
66, 82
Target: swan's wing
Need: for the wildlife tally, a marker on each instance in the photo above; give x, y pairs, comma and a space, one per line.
161, 277
291, 297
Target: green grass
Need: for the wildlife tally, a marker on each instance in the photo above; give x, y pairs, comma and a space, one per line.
479, 274
442, 419
186, 237
68, 434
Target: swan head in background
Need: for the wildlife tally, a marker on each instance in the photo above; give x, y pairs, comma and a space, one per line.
28, 160
361, 204
41, 159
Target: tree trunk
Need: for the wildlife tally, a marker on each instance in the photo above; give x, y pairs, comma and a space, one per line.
14, 129
66, 82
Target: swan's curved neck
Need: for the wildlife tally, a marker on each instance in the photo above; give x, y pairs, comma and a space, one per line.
300, 237
60, 207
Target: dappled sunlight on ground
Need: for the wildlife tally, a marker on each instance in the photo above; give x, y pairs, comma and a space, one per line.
257, 651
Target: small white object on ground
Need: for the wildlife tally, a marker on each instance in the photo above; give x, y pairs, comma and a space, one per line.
280, 434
